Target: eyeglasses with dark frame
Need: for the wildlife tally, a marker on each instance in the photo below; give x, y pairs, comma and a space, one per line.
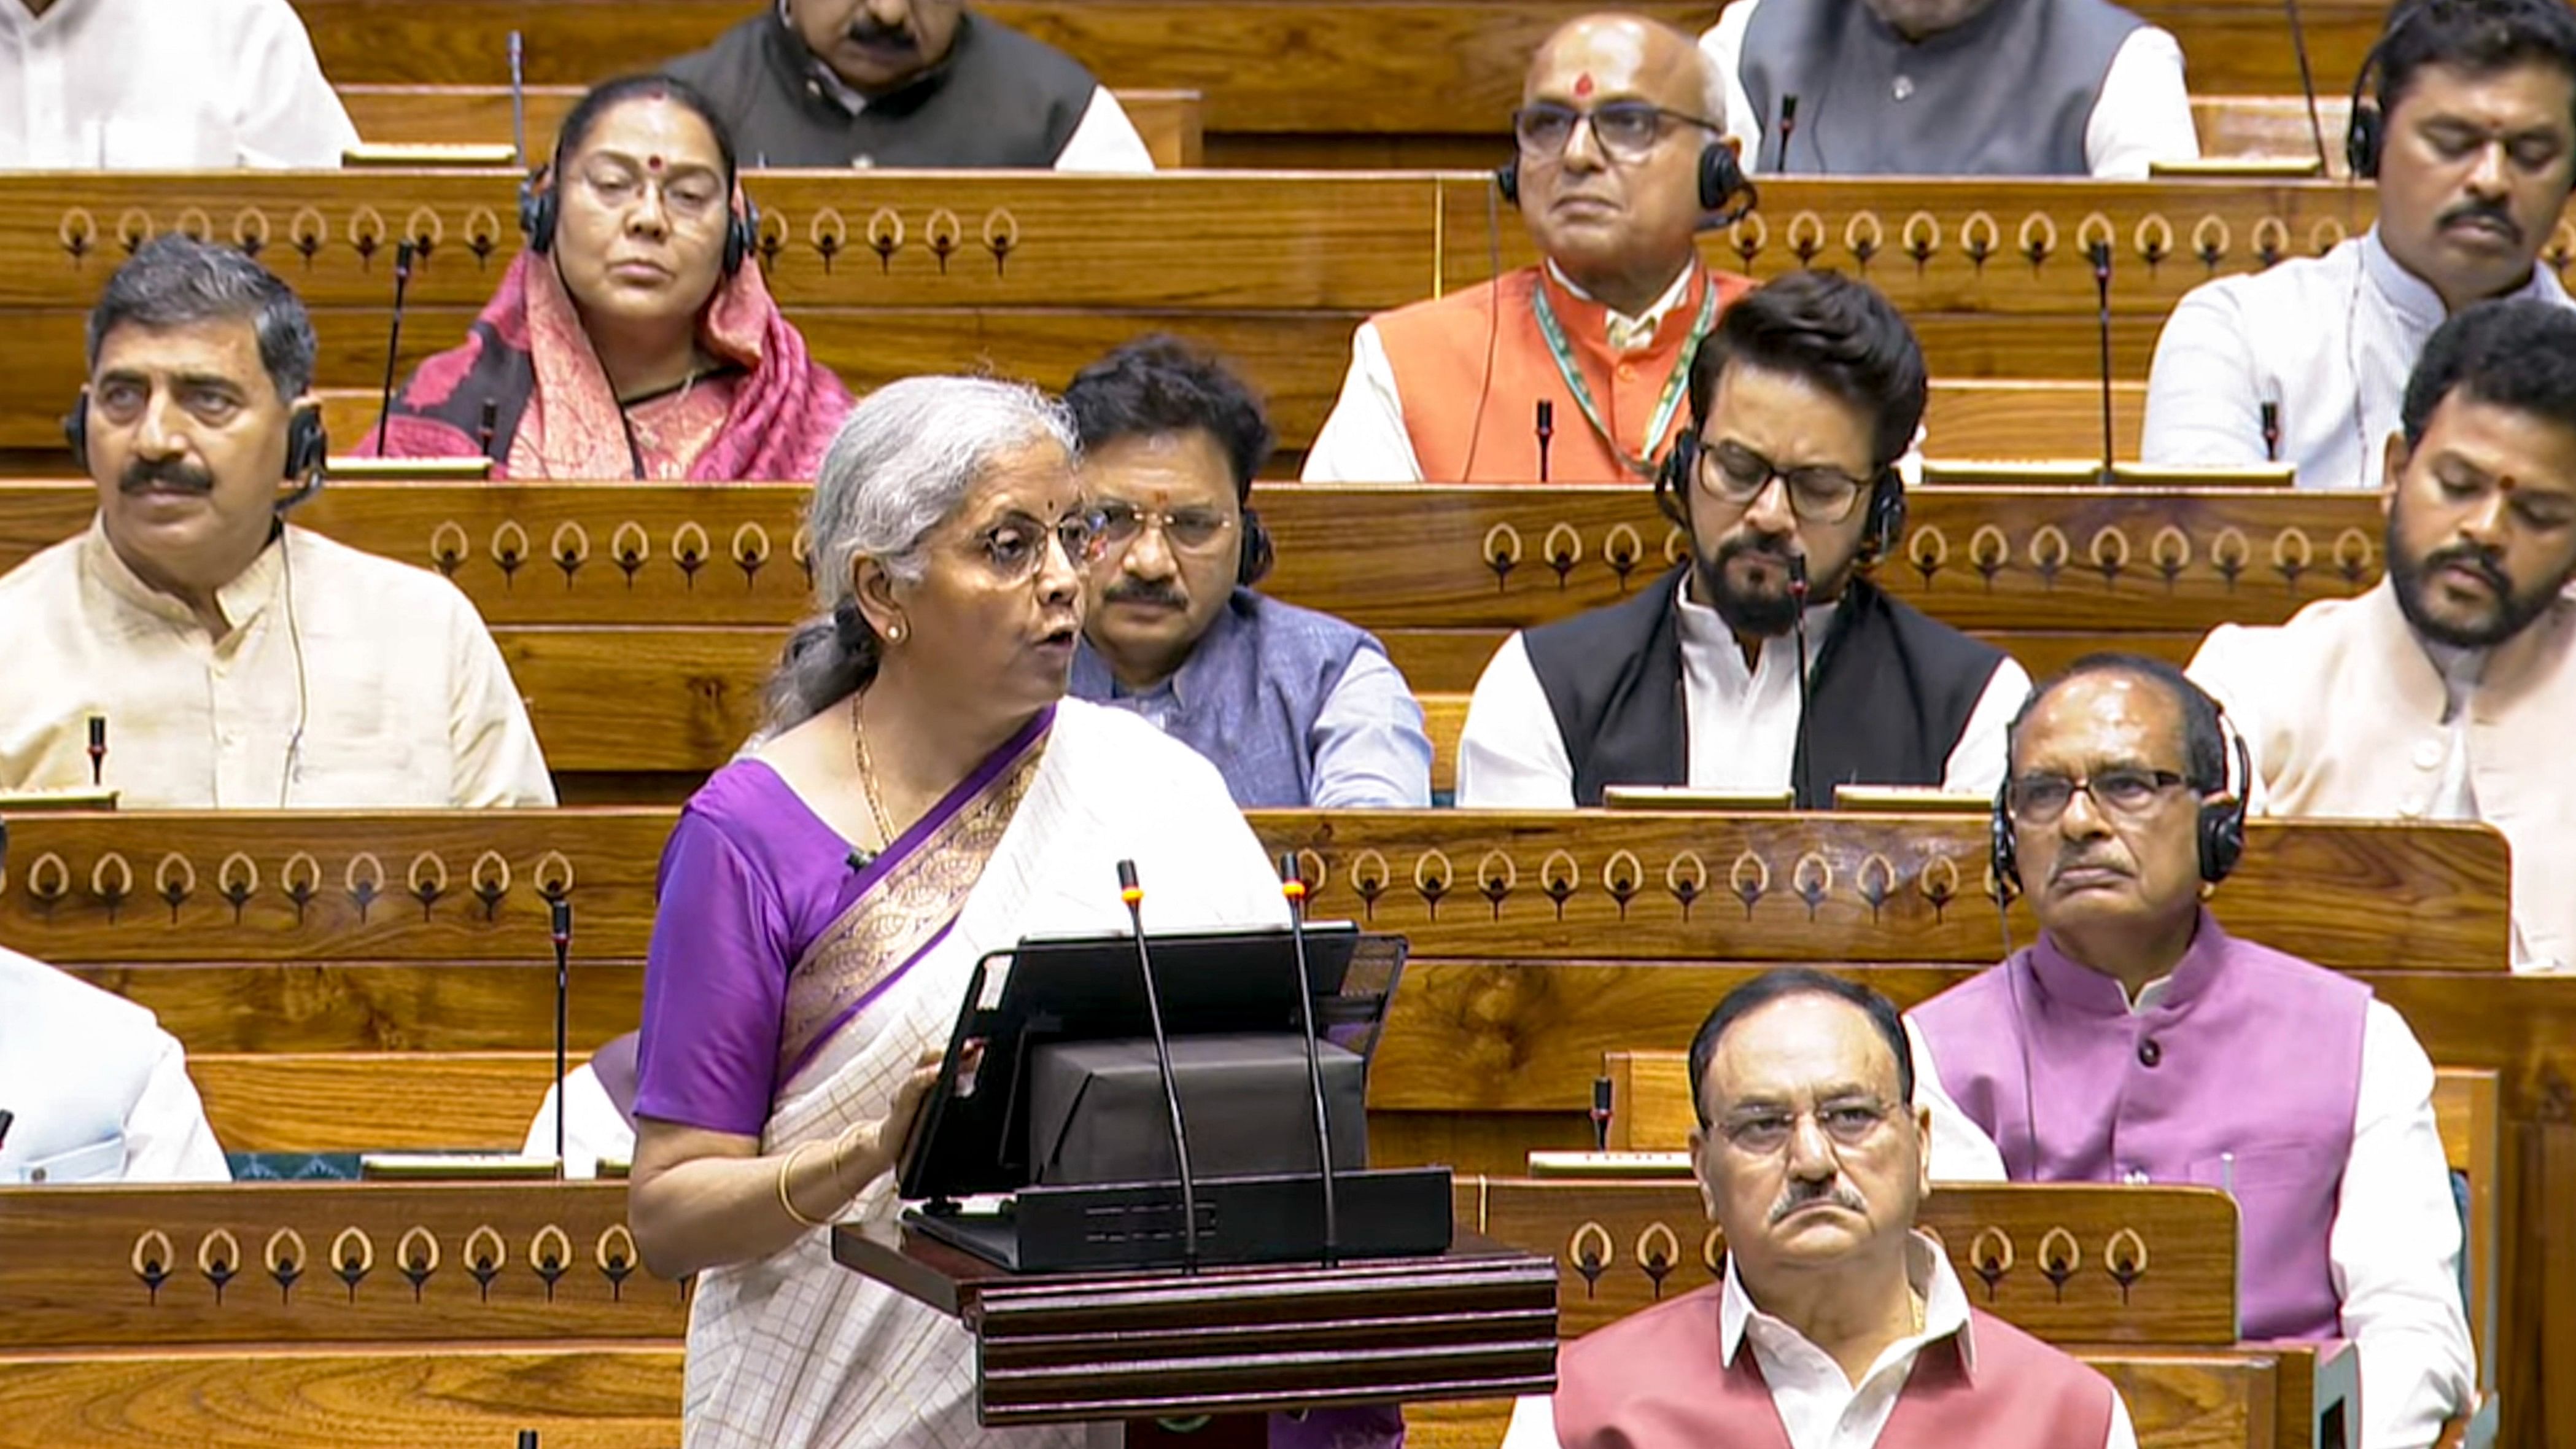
1627, 130
1766, 1131
1737, 475
1191, 530
2041, 799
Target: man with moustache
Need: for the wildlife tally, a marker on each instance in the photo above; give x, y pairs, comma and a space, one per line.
2137, 1041
1620, 164
229, 659
1837, 1325
923, 83
1295, 708
1806, 395
2446, 691
2472, 146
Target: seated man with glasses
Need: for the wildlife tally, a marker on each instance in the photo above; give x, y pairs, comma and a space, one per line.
1295, 708
1804, 398
1620, 166
2136, 1041
1836, 1322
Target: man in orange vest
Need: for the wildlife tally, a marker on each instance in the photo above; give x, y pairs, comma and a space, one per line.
1572, 371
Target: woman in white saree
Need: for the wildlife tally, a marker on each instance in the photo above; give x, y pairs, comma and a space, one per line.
925, 796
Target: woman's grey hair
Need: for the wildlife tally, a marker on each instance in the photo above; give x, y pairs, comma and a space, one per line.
176, 280
903, 462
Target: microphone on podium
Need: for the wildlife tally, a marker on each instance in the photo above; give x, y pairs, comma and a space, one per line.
1133, 895
2271, 432
2308, 87
2100, 254
1293, 886
97, 750
403, 252
1804, 769
1788, 128
1546, 431
563, 1001
1600, 1114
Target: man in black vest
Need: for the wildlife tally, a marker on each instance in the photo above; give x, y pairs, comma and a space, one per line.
1802, 401
906, 83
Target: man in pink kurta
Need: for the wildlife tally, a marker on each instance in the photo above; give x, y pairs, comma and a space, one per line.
1837, 1326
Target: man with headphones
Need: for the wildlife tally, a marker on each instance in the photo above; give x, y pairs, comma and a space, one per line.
2464, 119
1570, 371
1295, 708
1785, 488
191, 650
2137, 1041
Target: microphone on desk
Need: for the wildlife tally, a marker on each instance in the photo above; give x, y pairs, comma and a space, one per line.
97, 750
2308, 87
1293, 886
2100, 252
8, 1119
1788, 128
486, 427
527, 1437
393, 343
1803, 771
563, 1002
1133, 895
2271, 432
1546, 431
1600, 1114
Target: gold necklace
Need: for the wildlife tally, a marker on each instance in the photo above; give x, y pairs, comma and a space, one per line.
868, 772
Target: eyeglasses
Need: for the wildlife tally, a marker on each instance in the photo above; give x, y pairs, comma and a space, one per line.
2042, 799
1015, 548
1628, 130
1191, 530
1764, 1132
1737, 475
689, 193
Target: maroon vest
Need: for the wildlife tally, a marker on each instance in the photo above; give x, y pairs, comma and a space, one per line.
2249, 1069
1655, 1380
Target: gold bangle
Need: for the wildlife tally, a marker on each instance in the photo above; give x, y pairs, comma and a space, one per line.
787, 1167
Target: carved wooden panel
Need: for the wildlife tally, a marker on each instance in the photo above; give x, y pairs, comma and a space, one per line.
312, 1263
2073, 1264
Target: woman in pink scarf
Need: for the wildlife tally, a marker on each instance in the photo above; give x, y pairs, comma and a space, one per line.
633, 337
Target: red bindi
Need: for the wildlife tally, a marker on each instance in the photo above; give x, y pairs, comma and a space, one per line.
1583, 85
652, 163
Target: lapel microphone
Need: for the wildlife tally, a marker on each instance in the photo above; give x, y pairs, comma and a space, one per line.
1803, 770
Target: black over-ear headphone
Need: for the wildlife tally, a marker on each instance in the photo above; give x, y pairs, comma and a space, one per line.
539, 212
1879, 538
308, 448
2221, 825
1724, 192
1253, 559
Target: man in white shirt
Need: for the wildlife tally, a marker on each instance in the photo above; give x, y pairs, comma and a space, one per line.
907, 83
2137, 1041
2472, 144
94, 1091
1805, 397
1951, 87
1837, 1326
222, 658
2445, 692
175, 85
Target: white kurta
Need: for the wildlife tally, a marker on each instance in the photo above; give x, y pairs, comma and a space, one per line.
164, 85
99, 1091
1742, 730
404, 700
2329, 341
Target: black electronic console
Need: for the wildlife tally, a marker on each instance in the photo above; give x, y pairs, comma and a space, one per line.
1076, 1061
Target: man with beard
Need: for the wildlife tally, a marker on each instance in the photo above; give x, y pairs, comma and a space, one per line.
833, 83
1836, 1324
1802, 401
223, 658
2472, 145
2445, 693
2136, 1041
1295, 708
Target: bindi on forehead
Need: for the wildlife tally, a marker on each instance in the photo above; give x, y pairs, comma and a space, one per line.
1584, 86
653, 164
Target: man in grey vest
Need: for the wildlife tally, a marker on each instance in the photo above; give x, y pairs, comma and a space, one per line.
1951, 87
923, 83
1295, 708
1785, 484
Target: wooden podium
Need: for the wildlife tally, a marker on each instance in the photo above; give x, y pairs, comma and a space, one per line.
1134, 1347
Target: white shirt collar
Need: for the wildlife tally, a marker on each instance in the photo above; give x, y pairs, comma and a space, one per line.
1704, 633
1626, 333
1927, 1271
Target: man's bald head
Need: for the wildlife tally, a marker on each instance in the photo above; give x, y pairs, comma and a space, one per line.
1619, 221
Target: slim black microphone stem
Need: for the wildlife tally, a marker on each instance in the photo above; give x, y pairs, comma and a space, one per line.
563, 1001
2308, 87
1134, 895
8, 1119
2271, 432
1788, 128
98, 747
1294, 886
1546, 430
393, 344
2101, 256
1804, 771
1600, 1114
